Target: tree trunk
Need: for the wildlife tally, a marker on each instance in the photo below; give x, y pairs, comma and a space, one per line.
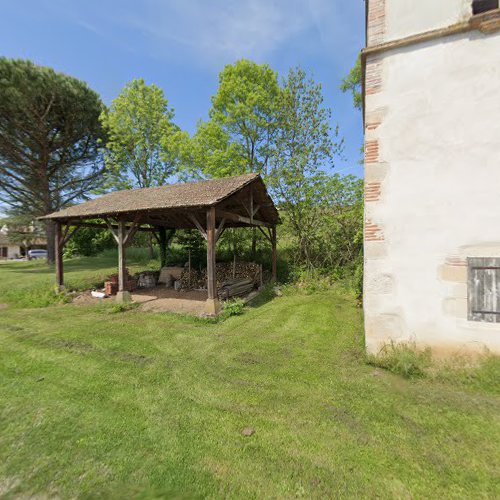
58, 248
50, 231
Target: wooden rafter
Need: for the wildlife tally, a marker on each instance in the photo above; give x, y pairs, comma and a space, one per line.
105, 226
64, 233
113, 229
130, 232
250, 207
67, 235
245, 220
267, 234
156, 236
220, 229
197, 223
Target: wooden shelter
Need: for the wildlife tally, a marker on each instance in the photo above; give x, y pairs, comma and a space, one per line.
210, 206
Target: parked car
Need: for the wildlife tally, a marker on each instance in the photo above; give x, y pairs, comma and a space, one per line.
37, 254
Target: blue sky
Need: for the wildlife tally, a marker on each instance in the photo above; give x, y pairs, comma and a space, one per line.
182, 45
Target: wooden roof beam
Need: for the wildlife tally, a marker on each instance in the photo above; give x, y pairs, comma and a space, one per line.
245, 220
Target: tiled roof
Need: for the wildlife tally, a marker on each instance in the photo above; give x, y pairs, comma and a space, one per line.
186, 195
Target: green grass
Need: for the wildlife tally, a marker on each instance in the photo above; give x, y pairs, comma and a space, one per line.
100, 403
31, 284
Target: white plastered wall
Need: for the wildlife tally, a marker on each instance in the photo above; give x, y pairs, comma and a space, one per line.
439, 143
13, 251
404, 18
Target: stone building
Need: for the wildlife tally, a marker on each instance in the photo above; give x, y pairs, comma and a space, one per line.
432, 174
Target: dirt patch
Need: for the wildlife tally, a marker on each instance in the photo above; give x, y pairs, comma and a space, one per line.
83, 347
86, 299
175, 305
3, 306
162, 299
248, 358
162, 292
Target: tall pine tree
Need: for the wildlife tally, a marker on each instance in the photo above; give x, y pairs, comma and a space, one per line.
49, 141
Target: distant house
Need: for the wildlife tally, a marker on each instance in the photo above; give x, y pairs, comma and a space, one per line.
8, 250
26, 238
432, 174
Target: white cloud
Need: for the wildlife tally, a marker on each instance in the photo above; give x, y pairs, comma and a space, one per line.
213, 31
228, 29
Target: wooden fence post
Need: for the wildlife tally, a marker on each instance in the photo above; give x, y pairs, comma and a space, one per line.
212, 301
163, 246
58, 244
122, 295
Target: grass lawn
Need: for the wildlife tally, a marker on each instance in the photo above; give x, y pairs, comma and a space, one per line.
101, 404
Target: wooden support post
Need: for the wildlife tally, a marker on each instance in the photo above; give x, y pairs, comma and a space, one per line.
163, 246
122, 295
58, 244
212, 301
275, 257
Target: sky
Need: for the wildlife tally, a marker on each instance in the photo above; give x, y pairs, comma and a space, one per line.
182, 45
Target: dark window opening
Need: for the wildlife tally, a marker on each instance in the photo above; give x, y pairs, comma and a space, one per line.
480, 6
4, 251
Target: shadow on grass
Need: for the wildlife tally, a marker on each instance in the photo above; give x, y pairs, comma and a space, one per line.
264, 297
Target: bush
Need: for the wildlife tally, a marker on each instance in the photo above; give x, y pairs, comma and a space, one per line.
87, 241
122, 307
402, 359
233, 308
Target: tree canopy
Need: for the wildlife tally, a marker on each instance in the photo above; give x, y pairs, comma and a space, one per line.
140, 128
352, 83
304, 149
242, 119
49, 140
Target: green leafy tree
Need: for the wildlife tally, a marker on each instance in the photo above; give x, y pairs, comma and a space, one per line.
352, 83
140, 128
243, 118
334, 241
89, 241
239, 136
191, 241
304, 142
208, 153
49, 141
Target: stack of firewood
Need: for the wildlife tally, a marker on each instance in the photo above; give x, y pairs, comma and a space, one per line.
234, 288
193, 279
226, 272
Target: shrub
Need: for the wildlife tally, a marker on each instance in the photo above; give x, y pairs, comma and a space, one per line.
402, 359
233, 308
122, 307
